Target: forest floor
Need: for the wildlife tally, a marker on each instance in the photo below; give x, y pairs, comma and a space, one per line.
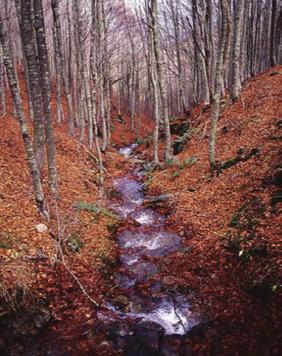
229, 222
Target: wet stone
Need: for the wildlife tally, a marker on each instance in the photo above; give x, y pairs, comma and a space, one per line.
121, 300
146, 321
146, 340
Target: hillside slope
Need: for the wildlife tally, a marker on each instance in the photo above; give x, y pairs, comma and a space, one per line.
231, 222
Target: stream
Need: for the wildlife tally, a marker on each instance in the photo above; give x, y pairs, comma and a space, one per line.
142, 316
156, 321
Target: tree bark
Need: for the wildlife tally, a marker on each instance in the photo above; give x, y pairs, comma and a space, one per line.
160, 79
2, 85
46, 94
58, 59
175, 20
29, 49
93, 74
219, 78
31, 159
156, 97
273, 51
236, 70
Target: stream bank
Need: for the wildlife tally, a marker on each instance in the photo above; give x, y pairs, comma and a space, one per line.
147, 317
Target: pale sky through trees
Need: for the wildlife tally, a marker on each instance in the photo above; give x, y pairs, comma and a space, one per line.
134, 3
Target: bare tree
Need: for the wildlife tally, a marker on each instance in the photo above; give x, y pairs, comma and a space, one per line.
58, 59
219, 77
46, 93
236, 79
2, 84
30, 53
153, 10
13, 84
273, 40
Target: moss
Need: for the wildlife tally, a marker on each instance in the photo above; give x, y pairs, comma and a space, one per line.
179, 144
6, 240
188, 162
94, 208
235, 219
242, 156
232, 242
75, 244
140, 141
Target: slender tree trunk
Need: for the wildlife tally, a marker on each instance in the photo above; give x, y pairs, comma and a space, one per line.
236, 70
2, 84
29, 50
106, 75
219, 77
175, 20
18, 9
273, 50
209, 44
85, 77
227, 50
101, 70
160, 79
278, 34
63, 78
58, 62
93, 72
46, 93
79, 87
70, 78
132, 92
13, 84
153, 77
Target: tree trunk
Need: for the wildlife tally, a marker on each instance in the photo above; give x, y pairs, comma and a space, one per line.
273, 51
175, 20
101, 71
30, 154
46, 93
58, 62
70, 78
2, 85
236, 70
29, 49
93, 74
219, 77
61, 66
160, 79
156, 97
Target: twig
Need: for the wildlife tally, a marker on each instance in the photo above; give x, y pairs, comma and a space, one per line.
60, 241
74, 276
176, 313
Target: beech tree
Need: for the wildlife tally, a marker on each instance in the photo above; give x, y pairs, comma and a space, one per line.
223, 48
273, 39
2, 84
236, 50
156, 59
58, 59
39, 25
153, 11
30, 153
26, 21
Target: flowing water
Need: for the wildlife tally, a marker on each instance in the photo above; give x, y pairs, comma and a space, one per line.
143, 317
146, 318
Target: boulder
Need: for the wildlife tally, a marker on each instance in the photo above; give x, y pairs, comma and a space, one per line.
180, 143
41, 228
179, 127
